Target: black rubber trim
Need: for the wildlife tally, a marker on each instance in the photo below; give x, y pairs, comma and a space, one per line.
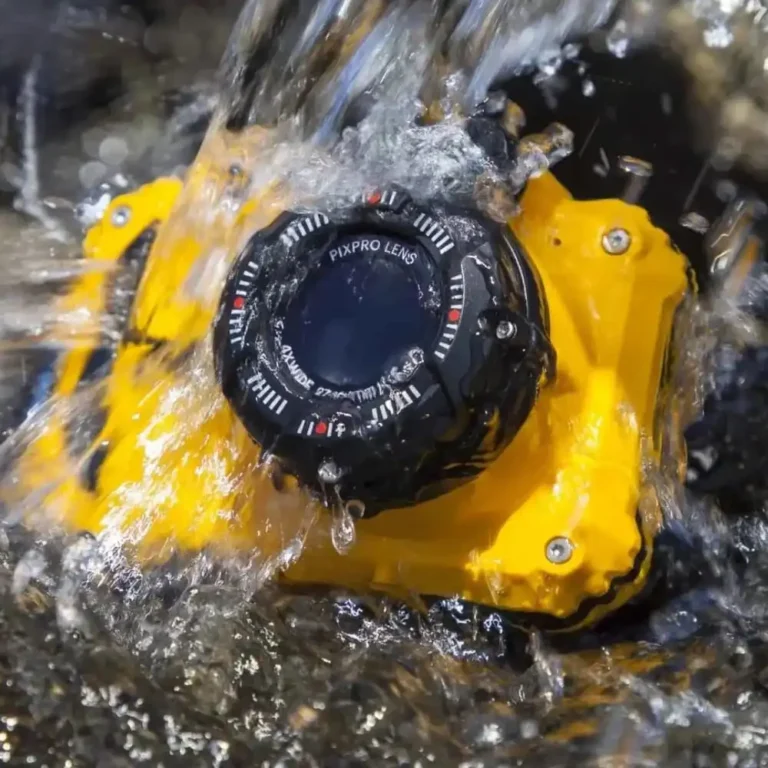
120, 292
40, 386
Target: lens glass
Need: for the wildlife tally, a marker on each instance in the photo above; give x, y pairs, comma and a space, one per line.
359, 312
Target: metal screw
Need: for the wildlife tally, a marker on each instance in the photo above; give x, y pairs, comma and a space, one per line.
329, 472
639, 171
616, 241
505, 330
559, 550
121, 216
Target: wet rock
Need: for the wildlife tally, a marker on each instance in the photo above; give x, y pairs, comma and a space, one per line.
32, 582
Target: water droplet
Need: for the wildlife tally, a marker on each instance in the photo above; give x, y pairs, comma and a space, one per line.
549, 62
343, 532
695, 222
618, 40
407, 367
31, 566
571, 50
329, 472
718, 36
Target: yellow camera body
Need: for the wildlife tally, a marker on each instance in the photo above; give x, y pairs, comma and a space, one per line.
558, 531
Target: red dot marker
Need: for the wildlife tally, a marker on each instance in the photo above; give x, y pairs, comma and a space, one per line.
374, 198
239, 302
321, 428
454, 315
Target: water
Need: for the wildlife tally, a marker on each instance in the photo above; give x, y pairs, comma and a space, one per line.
206, 661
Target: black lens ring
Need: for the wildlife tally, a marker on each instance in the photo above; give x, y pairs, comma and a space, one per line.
390, 444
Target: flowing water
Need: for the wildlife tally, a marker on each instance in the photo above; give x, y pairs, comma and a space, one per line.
204, 660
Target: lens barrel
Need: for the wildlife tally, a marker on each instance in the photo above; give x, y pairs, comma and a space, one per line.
384, 353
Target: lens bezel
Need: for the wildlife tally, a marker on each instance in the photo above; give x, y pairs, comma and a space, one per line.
399, 443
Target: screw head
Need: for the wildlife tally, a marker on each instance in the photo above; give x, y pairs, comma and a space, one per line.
505, 330
616, 241
121, 216
559, 550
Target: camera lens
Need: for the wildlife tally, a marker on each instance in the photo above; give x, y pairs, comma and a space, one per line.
355, 318
401, 345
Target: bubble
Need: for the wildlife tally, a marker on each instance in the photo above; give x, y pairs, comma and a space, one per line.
113, 150
187, 46
194, 18
156, 38
92, 140
92, 173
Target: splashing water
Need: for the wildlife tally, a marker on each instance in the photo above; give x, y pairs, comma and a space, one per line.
203, 660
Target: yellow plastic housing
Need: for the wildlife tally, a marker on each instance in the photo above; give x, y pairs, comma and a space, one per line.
559, 530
